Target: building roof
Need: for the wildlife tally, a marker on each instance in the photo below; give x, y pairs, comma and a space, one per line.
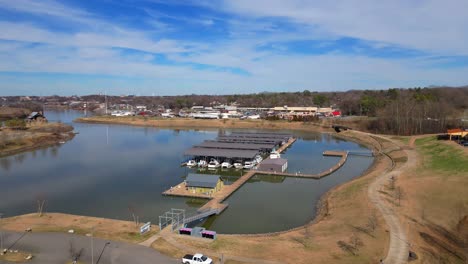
202, 180
260, 135
295, 108
249, 140
33, 115
221, 152
278, 161
233, 145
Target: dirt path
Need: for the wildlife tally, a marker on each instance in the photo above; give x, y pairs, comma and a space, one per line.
399, 247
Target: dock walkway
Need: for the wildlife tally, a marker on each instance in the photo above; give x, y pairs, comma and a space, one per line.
219, 197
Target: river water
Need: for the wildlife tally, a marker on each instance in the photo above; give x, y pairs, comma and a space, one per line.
107, 169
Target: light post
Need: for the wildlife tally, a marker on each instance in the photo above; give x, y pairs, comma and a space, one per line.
102, 251
92, 245
1, 234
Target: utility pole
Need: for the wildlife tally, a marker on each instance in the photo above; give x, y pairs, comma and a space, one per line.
105, 99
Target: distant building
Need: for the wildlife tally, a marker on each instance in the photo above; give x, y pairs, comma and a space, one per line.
295, 110
141, 107
203, 183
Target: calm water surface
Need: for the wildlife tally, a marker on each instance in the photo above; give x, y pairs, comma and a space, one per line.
106, 169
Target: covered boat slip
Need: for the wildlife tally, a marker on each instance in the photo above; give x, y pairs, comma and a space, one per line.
222, 153
275, 141
285, 137
228, 145
238, 146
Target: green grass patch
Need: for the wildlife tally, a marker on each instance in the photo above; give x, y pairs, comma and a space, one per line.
442, 157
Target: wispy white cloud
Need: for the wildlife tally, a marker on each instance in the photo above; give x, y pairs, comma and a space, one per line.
104, 47
426, 24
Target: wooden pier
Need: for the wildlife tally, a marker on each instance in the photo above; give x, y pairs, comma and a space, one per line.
286, 145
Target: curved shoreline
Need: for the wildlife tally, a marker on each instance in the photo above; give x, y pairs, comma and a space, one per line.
328, 206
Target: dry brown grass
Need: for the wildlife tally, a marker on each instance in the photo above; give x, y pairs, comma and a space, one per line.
35, 136
167, 248
435, 200
116, 230
19, 257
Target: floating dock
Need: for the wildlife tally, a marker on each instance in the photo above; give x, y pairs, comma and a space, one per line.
216, 200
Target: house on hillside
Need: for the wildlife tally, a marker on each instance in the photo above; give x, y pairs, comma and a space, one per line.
203, 183
36, 117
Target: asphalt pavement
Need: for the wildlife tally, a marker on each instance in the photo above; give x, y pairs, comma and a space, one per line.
61, 248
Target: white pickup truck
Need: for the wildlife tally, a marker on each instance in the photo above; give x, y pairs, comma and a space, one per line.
196, 259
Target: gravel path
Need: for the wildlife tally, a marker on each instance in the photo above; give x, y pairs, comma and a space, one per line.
399, 247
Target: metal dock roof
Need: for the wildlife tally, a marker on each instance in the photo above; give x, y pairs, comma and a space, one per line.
219, 152
262, 133
249, 140
234, 145
255, 135
202, 180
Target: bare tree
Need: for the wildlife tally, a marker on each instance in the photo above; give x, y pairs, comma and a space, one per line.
391, 185
136, 218
41, 202
355, 241
372, 221
398, 194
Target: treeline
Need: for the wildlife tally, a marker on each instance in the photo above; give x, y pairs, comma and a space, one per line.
393, 111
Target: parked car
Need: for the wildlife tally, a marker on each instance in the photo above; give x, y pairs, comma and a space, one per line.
196, 259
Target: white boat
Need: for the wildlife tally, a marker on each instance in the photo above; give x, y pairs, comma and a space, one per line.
226, 164
249, 164
202, 164
191, 163
213, 164
274, 155
238, 164
258, 158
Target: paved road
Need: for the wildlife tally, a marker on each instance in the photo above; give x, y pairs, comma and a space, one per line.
50, 248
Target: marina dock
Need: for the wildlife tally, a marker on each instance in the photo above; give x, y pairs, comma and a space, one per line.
217, 199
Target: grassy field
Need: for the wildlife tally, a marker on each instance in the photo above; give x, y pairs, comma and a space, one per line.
435, 203
116, 230
441, 157
19, 257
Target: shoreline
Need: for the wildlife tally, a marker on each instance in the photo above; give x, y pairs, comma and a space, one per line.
328, 206
36, 137
189, 123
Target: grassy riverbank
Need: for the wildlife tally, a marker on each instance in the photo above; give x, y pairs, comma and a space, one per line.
33, 137
116, 230
434, 205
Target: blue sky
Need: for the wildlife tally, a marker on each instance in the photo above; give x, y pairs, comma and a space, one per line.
171, 47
